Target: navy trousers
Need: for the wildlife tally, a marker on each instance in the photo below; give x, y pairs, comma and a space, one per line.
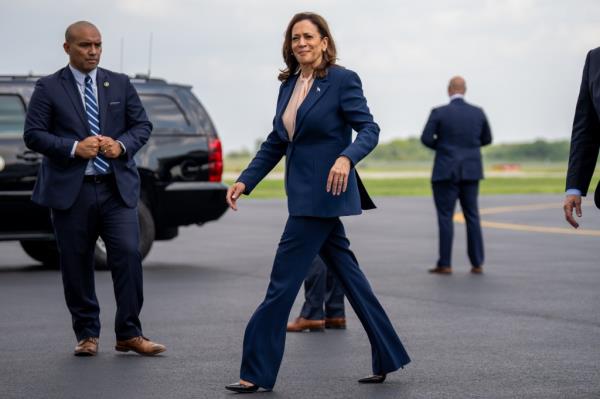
323, 294
100, 211
303, 238
445, 194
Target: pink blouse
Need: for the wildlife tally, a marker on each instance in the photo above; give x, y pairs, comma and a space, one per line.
301, 89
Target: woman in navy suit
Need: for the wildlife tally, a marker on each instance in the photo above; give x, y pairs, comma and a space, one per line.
319, 105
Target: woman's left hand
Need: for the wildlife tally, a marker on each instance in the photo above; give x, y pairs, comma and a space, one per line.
338, 176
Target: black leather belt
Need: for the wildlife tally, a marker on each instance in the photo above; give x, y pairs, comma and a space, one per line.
98, 178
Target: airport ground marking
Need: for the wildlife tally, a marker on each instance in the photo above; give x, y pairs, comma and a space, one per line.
458, 217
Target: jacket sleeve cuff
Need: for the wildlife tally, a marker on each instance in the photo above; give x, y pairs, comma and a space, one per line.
573, 191
72, 154
249, 186
122, 146
353, 159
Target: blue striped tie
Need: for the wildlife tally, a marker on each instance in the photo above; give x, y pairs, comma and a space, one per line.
101, 165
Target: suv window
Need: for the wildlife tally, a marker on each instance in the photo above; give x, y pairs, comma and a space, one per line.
165, 114
12, 115
201, 117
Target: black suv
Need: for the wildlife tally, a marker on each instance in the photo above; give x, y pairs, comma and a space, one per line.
180, 169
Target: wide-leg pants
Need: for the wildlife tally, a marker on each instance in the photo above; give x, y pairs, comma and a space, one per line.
302, 239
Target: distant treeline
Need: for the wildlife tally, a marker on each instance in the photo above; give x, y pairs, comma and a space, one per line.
539, 150
411, 149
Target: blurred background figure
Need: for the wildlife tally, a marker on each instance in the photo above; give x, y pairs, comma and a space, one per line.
585, 139
323, 301
456, 132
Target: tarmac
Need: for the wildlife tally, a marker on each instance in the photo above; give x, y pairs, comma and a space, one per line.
529, 327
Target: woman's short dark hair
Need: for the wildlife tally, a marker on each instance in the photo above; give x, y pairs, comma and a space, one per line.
329, 56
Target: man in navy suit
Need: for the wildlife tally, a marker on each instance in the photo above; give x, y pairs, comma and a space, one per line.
89, 123
456, 132
585, 139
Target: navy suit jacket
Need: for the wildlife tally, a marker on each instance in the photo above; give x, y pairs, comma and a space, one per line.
585, 138
334, 106
456, 132
56, 119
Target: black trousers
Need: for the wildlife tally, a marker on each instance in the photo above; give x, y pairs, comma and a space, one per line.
100, 211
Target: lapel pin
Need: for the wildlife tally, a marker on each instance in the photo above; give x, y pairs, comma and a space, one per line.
106, 84
318, 89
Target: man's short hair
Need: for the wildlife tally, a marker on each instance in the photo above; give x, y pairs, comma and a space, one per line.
78, 24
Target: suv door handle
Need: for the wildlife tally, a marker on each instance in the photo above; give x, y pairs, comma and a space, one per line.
30, 156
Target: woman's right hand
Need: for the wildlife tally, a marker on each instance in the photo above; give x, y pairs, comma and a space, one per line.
234, 192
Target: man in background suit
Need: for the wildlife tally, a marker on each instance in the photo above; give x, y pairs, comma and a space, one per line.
456, 132
323, 301
585, 139
88, 123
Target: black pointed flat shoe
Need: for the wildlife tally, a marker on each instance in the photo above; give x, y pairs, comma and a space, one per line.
373, 379
241, 388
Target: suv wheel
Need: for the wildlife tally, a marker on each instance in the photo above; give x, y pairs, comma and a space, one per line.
42, 251
147, 233
47, 253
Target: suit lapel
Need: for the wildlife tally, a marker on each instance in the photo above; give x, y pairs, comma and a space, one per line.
70, 86
318, 89
101, 89
284, 99
286, 93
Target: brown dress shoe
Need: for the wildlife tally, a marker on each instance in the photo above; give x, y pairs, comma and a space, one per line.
335, 323
140, 345
302, 324
441, 270
87, 347
477, 270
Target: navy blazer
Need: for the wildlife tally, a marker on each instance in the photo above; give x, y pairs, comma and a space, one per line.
56, 119
585, 138
334, 106
456, 132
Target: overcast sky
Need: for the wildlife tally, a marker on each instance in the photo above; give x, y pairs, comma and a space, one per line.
522, 59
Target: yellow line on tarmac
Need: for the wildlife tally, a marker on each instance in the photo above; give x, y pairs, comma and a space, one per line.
458, 217
519, 208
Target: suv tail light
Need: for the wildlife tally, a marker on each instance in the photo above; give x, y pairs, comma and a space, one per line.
215, 160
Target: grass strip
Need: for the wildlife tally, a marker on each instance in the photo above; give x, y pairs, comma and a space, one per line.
422, 186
